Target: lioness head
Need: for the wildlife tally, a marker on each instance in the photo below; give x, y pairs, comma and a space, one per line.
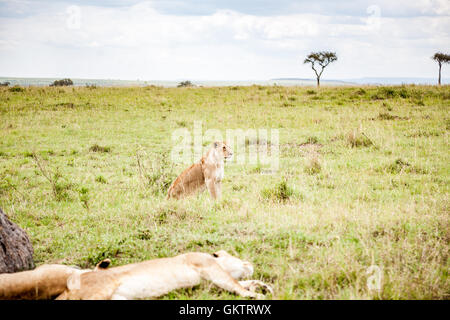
224, 149
236, 267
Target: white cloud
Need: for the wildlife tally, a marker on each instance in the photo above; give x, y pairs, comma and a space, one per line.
140, 42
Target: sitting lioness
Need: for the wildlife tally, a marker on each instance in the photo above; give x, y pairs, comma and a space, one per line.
45, 282
154, 278
207, 172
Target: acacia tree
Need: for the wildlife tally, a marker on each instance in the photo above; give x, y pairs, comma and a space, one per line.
441, 58
323, 59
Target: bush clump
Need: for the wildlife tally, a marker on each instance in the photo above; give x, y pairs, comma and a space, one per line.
185, 84
97, 148
100, 179
386, 116
62, 82
358, 139
312, 140
281, 192
16, 88
390, 93
402, 166
156, 174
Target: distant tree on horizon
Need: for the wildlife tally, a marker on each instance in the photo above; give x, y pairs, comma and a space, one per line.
323, 59
186, 83
63, 82
441, 58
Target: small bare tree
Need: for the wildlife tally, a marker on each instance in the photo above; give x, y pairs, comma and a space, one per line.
323, 59
441, 58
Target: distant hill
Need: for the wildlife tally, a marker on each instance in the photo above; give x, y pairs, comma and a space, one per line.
399, 80
373, 80
310, 80
218, 83
167, 83
76, 82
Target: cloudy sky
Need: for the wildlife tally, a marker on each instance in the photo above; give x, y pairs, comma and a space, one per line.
221, 40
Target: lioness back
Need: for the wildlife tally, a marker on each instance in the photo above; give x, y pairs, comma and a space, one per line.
189, 181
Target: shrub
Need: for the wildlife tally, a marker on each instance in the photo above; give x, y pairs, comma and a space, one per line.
100, 179
5, 84
356, 139
156, 174
400, 166
16, 88
65, 105
102, 251
62, 82
312, 140
286, 104
185, 84
60, 188
389, 93
97, 148
387, 106
84, 197
281, 192
397, 166
360, 91
403, 93
386, 116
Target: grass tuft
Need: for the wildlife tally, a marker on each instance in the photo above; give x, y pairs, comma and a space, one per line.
280, 192
357, 139
313, 165
97, 148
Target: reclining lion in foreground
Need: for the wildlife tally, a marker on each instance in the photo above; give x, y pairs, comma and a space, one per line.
154, 278
45, 282
148, 279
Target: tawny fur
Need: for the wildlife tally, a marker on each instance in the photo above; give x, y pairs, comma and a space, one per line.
45, 282
207, 173
154, 278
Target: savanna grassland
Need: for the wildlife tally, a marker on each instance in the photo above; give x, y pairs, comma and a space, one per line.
363, 180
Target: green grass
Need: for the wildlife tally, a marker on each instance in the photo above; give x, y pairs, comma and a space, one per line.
363, 180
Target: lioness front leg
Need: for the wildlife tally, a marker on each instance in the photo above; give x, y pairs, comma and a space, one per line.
222, 279
219, 189
211, 185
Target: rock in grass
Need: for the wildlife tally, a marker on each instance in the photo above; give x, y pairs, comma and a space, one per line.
16, 252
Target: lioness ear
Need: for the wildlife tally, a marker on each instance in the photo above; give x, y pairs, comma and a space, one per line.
215, 255
216, 144
103, 264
